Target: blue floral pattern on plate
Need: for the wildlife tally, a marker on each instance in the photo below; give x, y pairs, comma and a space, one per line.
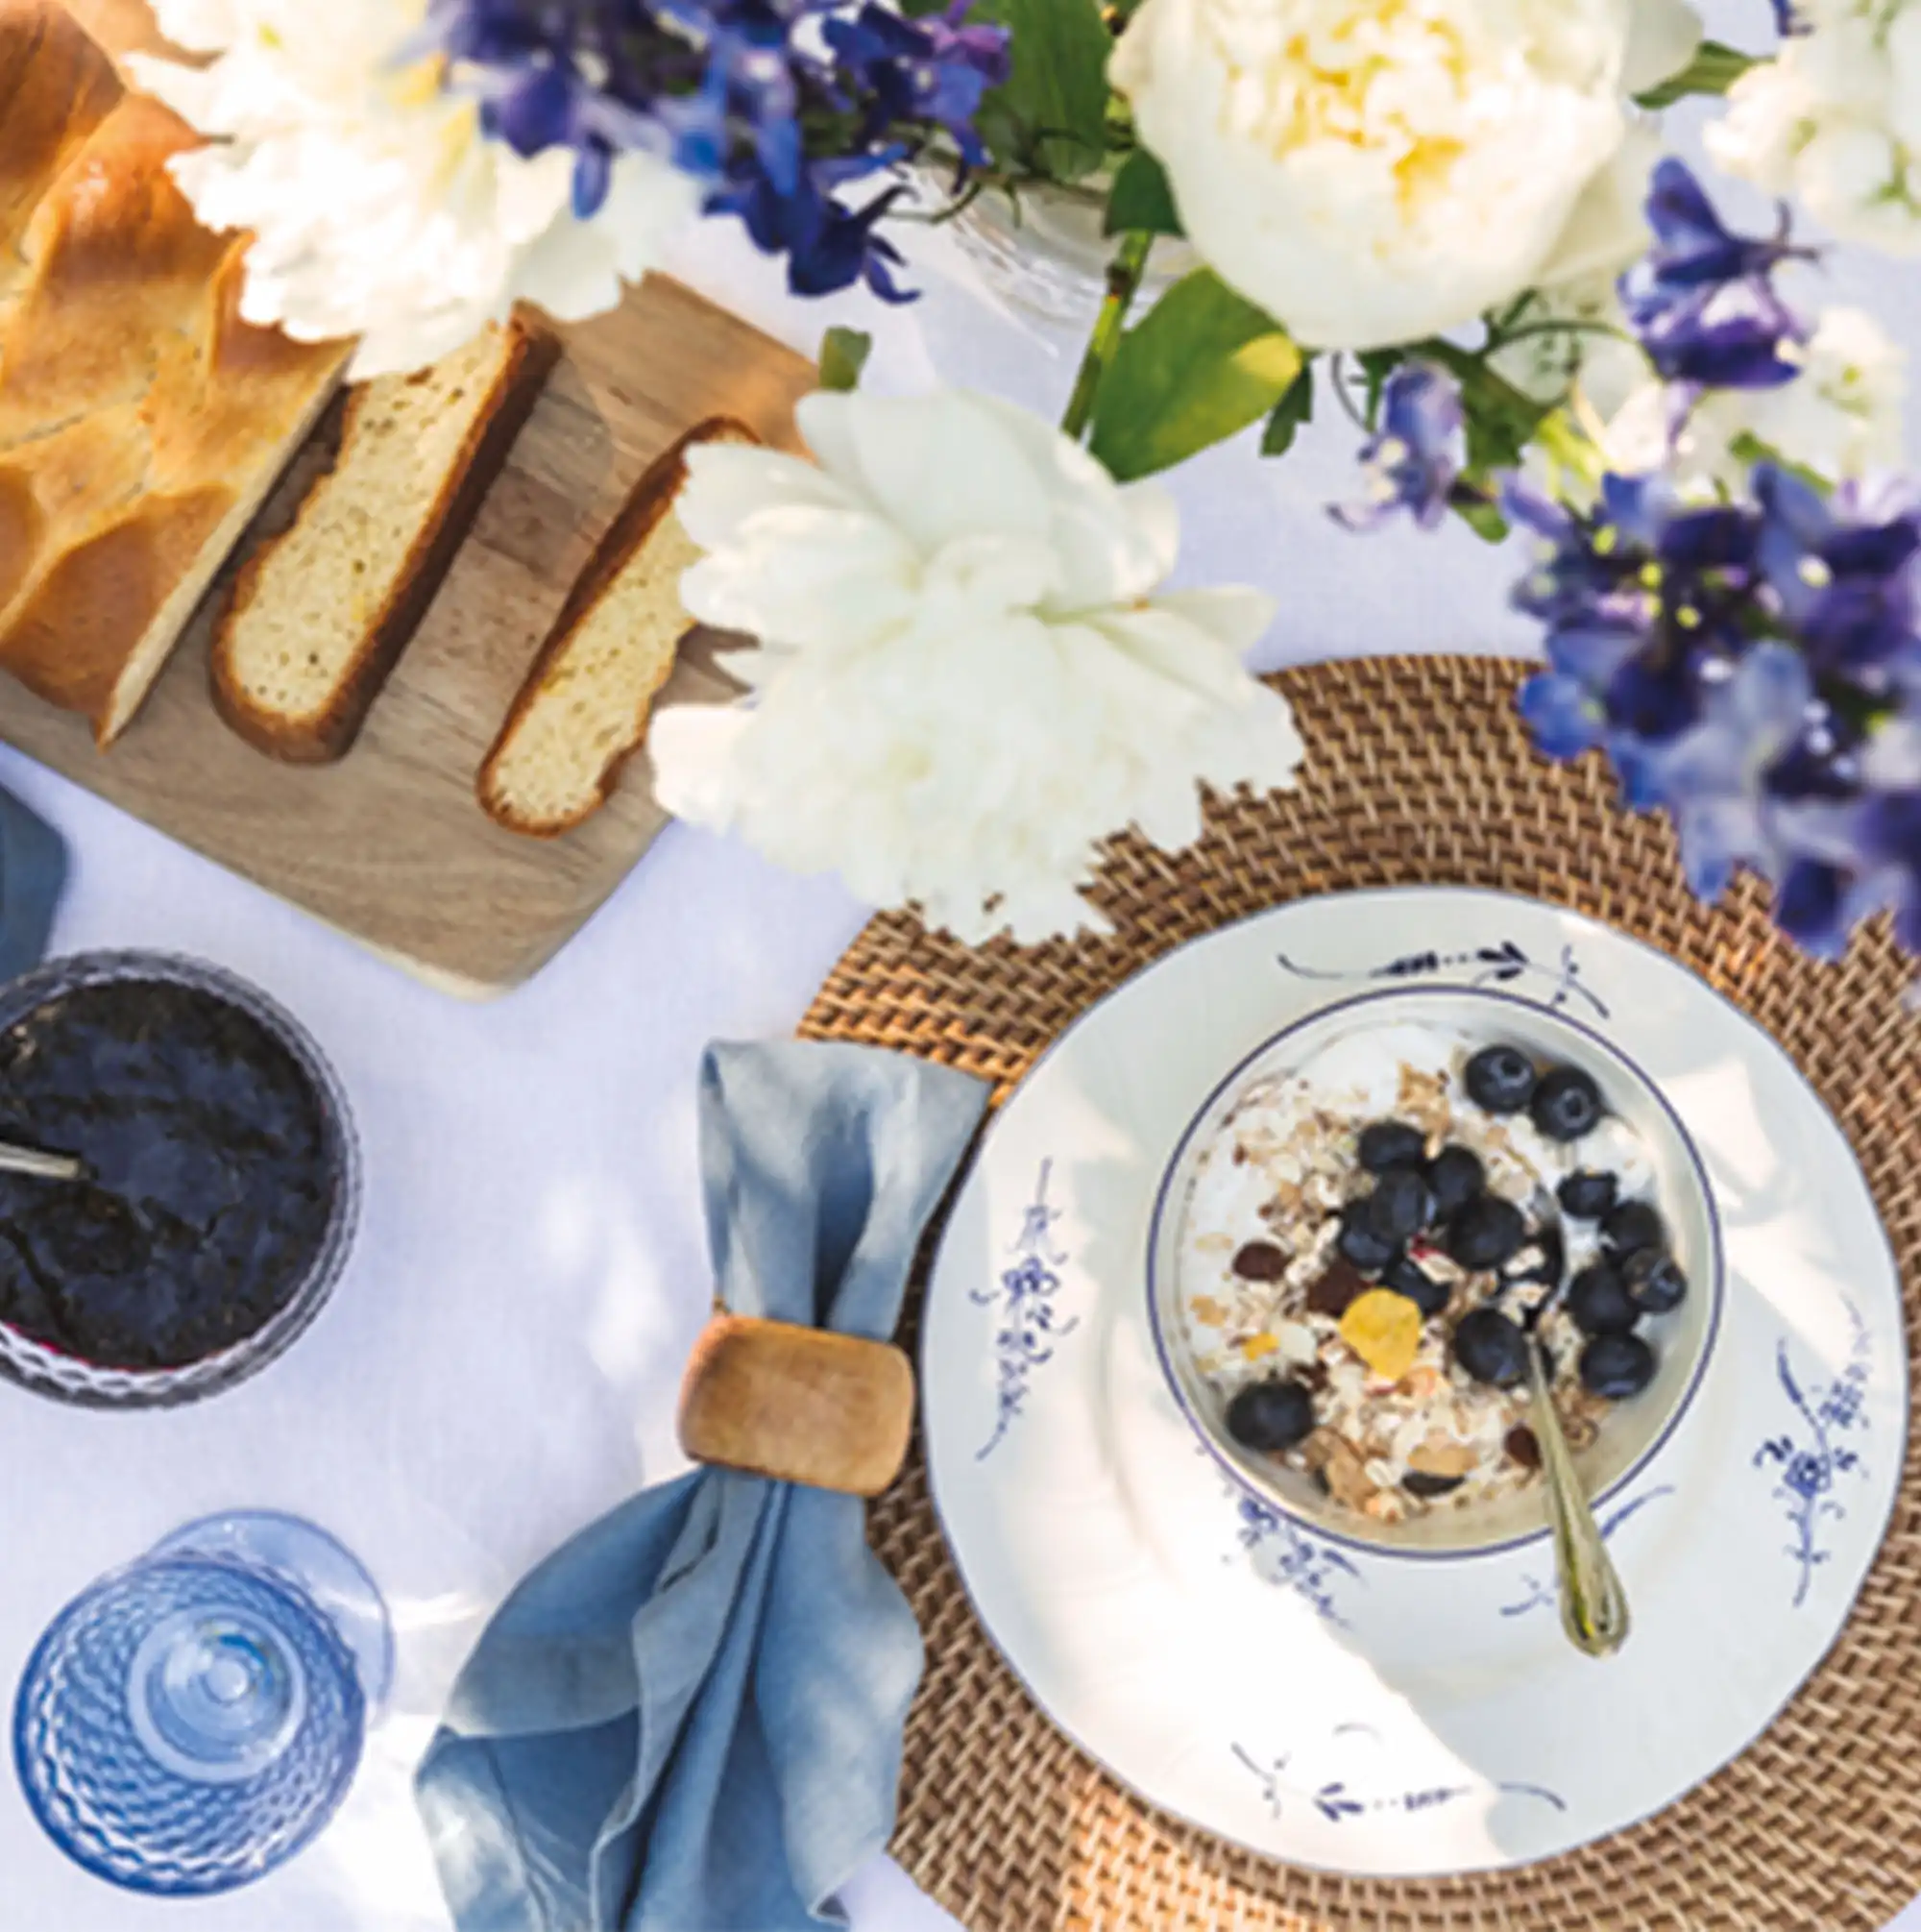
1809, 1455
1339, 1801
1285, 1556
1029, 1324
1503, 963
1539, 1593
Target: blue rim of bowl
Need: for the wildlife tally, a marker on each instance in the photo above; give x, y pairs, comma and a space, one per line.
144, 1884
1315, 1525
46, 1371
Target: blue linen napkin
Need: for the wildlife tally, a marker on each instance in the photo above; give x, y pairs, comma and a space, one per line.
689, 1718
32, 874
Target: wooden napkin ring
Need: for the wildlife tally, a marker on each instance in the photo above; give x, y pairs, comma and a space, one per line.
797, 1404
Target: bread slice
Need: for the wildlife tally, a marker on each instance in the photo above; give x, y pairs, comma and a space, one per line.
318, 616
582, 712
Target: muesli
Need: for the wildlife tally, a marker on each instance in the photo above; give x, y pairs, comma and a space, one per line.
1365, 1243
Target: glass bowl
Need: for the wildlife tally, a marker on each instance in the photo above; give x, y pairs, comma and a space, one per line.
46, 1369
1634, 1432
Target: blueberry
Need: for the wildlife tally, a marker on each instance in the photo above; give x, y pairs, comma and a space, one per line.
1655, 1281
1486, 1233
1408, 1278
1359, 1242
1456, 1176
1419, 1483
1599, 1300
1500, 1079
1402, 1204
1615, 1367
1491, 1347
1567, 1104
1270, 1415
1392, 1143
1588, 1197
1633, 1225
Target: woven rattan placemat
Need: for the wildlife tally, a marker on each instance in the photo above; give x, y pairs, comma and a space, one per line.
1417, 772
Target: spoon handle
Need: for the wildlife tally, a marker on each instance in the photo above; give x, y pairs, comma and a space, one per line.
18, 1159
1594, 1605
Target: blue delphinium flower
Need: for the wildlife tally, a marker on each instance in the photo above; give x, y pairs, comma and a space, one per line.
776, 105
1702, 299
936, 70
1412, 462
1839, 571
1752, 668
1637, 599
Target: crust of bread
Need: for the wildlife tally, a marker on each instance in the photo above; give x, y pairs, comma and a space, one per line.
532, 351
141, 422
56, 86
650, 501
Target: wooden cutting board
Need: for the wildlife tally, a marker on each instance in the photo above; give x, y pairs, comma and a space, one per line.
390, 845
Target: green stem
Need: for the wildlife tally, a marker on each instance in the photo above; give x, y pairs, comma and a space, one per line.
1570, 326
1124, 280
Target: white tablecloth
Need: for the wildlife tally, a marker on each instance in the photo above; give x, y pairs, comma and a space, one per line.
500, 1362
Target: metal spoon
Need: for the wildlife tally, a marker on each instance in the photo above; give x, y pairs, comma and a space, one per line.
1594, 1605
17, 1160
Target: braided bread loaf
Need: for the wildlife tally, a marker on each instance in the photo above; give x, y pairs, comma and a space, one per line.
141, 422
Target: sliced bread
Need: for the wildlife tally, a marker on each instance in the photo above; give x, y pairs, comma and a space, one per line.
583, 710
319, 616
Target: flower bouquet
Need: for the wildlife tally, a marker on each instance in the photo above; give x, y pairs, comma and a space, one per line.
1450, 219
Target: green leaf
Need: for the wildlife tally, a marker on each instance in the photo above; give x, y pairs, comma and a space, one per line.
1141, 198
1204, 364
1052, 111
843, 355
1485, 520
1294, 408
1714, 70
1501, 420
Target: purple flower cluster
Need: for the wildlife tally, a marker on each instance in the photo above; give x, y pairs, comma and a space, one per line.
1751, 667
1748, 668
775, 106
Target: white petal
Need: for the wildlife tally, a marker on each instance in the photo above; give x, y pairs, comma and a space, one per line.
1663, 36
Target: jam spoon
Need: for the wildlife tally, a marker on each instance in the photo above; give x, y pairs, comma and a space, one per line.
17, 1160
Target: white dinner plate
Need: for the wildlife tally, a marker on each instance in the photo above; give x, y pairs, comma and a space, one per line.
1348, 1707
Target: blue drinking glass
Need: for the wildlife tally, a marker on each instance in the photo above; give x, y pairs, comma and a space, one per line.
193, 1720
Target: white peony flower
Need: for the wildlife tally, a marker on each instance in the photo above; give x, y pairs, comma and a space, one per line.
1835, 119
965, 679
1372, 174
1840, 417
377, 208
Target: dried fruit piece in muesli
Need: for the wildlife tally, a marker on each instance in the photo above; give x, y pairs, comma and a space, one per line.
1259, 1261
1332, 1291
1383, 1329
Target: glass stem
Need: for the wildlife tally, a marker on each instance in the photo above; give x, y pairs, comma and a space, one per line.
1124, 280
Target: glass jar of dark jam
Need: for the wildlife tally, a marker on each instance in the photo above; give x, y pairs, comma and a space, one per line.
221, 1187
